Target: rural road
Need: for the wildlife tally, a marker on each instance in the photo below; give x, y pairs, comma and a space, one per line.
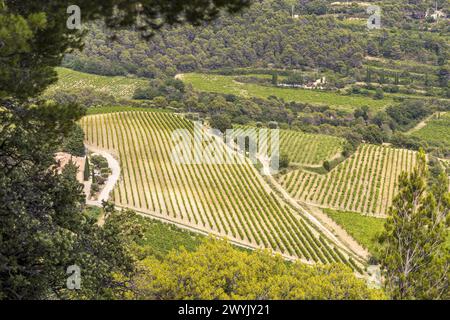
113, 164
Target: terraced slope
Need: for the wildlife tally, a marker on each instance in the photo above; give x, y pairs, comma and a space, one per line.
229, 200
366, 182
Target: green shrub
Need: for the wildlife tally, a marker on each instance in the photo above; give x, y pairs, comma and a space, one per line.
87, 170
326, 165
379, 95
95, 188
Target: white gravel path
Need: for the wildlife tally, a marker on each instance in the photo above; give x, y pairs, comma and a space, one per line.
113, 164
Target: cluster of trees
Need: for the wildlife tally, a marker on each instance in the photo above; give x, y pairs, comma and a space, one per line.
100, 172
389, 125
74, 142
171, 90
86, 97
216, 270
406, 114
408, 44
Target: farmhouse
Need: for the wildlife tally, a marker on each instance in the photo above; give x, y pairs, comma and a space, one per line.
435, 15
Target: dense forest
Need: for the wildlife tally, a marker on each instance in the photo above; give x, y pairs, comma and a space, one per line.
267, 35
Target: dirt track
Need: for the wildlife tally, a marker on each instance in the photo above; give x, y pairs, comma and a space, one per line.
113, 164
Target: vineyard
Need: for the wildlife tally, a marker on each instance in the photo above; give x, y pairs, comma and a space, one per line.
304, 148
119, 87
365, 183
229, 200
309, 149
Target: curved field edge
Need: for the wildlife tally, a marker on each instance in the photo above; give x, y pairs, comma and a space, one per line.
159, 237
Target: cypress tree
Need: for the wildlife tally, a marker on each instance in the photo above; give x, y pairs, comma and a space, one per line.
275, 79
396, 80
368, 76
414, 256
87, 171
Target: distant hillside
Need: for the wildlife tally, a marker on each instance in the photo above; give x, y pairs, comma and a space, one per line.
324, 35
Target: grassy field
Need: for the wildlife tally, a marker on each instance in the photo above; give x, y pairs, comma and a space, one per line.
160, 238
365, 183
93, 212
229, 200
227, 85
119, 87
437, 130
363, 229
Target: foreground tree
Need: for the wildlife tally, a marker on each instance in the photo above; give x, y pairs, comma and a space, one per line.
415, 256
42, 228
216, 270
34, 35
